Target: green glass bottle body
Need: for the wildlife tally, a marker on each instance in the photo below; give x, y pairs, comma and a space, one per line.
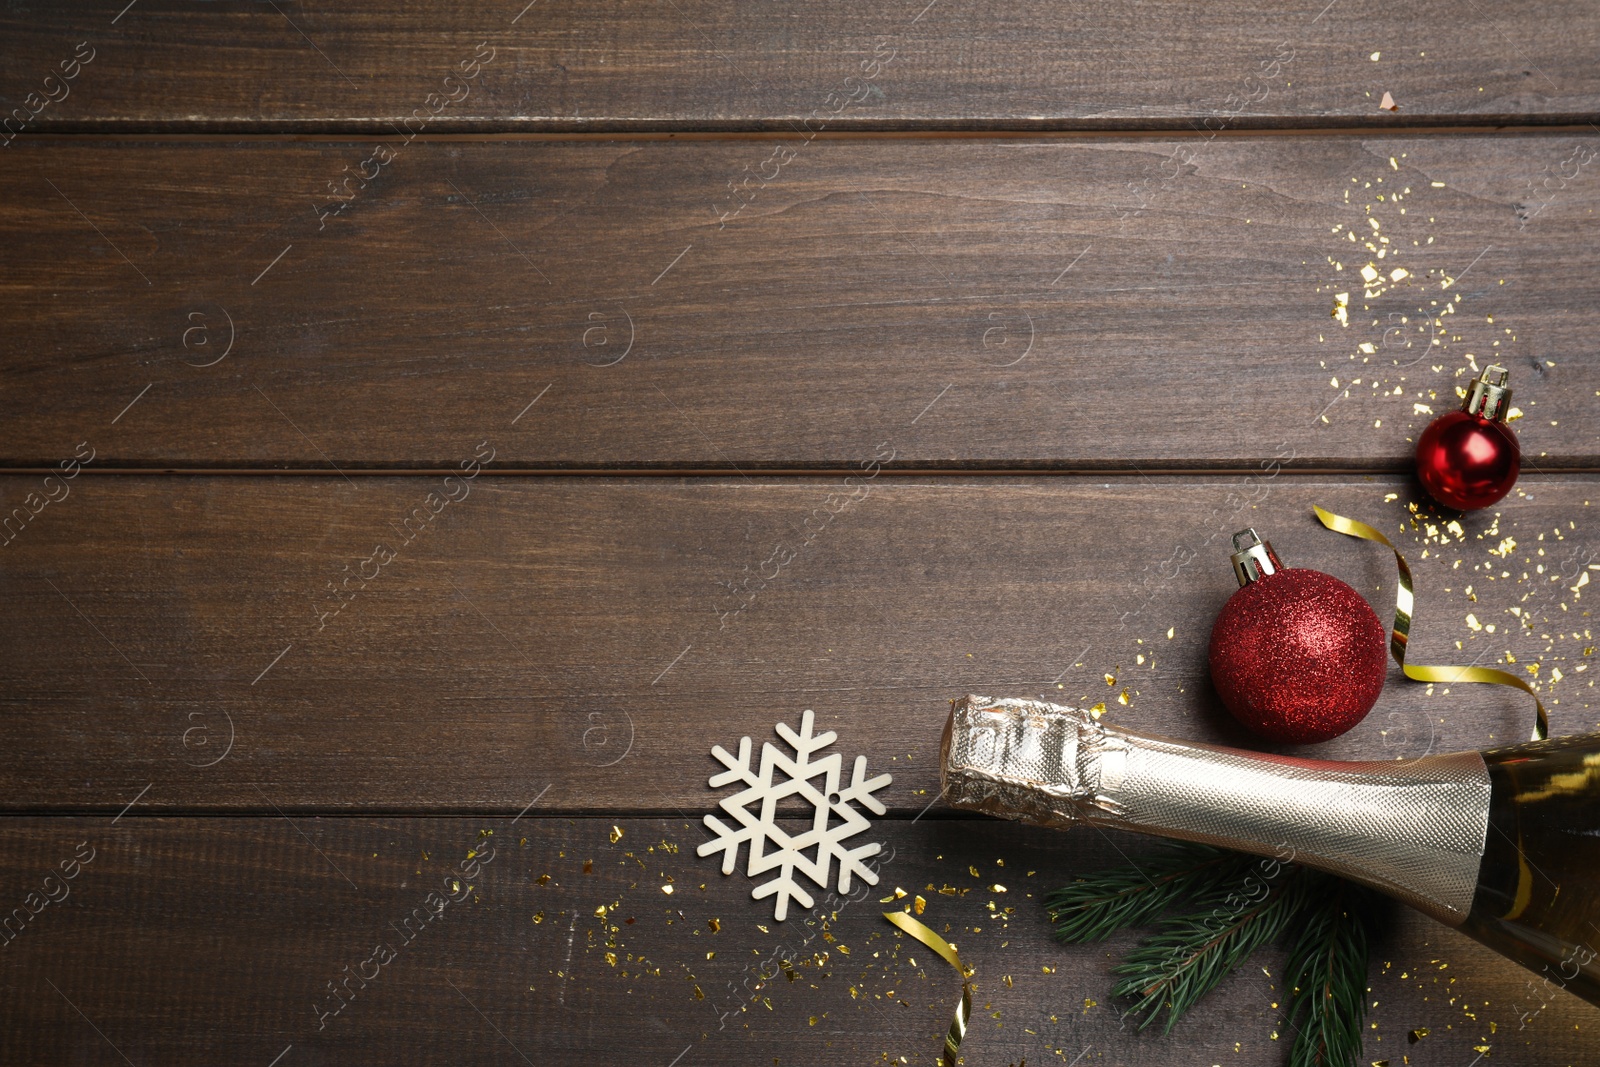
1538, 894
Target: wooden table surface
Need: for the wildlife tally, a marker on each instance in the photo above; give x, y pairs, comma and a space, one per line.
802, 356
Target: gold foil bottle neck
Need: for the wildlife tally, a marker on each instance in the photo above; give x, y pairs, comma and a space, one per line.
1414, 829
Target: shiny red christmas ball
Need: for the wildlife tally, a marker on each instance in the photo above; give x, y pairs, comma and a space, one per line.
1297, 655
1467, 462
1470, 458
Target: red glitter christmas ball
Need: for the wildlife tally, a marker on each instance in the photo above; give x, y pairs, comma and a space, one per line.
1470, 458
1296, 655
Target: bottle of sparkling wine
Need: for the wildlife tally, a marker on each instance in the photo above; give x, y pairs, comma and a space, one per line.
1504, 845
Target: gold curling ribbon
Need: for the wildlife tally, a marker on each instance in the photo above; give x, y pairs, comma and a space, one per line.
1403, 604
963, 1012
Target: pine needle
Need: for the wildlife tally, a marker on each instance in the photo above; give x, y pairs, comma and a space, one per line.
1192, 952
1094, 908
1328, 976
1220, 907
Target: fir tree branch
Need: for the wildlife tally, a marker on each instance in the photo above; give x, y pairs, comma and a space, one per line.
1328, 975
1095, 907
1190, 953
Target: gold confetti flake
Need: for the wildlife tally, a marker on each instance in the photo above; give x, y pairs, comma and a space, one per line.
543, 879
715, 924
1111, 679
918, 904
1170, 631
616, 834
538, 917
667, 889
1417, 1035
600, 912
1341, 310
699, 994
611, 958
1098, 710
973, 871
1388, 104
1006, 978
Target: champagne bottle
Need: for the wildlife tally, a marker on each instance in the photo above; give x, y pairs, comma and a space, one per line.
1503, 845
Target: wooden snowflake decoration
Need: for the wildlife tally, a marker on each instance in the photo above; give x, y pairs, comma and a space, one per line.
755, 808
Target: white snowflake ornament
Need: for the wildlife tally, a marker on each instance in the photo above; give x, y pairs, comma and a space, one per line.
810, 853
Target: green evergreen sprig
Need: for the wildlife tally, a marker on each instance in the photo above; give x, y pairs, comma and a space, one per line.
1220, 907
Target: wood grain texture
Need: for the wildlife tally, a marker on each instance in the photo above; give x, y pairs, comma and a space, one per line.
600, 635
1066, 304
235, 927
702, 65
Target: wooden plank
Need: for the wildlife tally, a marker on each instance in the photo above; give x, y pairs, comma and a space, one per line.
596, 637
1066, 303
721, 65
236, 926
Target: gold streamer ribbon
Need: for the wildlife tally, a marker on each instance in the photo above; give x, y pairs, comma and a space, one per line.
1404, 602
963, 1012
